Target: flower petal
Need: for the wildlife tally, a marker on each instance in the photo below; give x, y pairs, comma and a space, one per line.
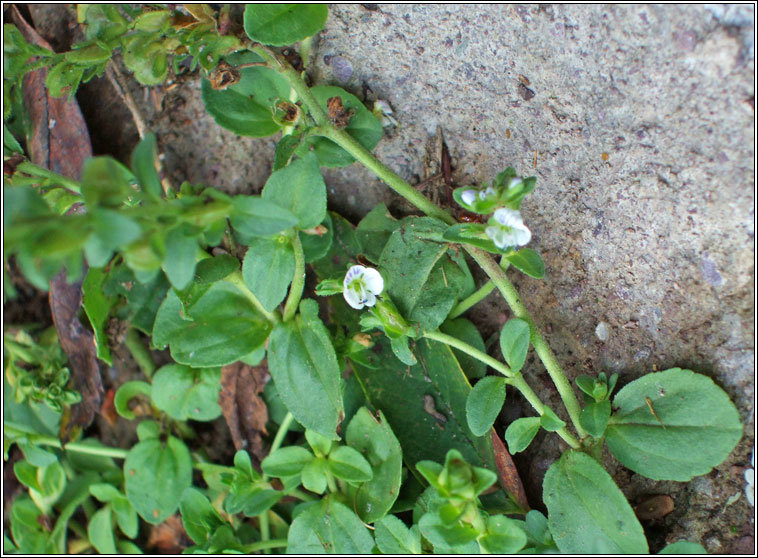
353, 273
468, 196
509, 217
374, 281
370, 299
352, 298
522, 235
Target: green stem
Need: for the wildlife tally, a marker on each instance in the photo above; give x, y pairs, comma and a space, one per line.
473, 299
501, 281
35, 170
300, 495
514, 378
387, 175
265, 530
298, 280
236, 280
139, 352
282, 432
262, 545
43, 440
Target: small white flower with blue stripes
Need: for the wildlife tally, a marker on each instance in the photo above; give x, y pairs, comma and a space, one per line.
507, 229
361, 286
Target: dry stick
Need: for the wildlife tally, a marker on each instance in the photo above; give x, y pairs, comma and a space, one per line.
117, 79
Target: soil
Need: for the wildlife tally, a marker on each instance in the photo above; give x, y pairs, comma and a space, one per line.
583, 285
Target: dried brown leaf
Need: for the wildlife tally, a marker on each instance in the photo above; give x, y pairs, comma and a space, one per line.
244, 410
60, 142
169, 537
506, 472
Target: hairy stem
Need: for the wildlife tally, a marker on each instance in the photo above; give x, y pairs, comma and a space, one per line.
35, 170
298, 280
541, 347
514, 378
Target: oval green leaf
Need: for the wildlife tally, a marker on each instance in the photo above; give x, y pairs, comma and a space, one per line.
521, 432
343, 533
694, 428
527, 261
587, 513
283, 24
187, 393
304, 368
156, 475
300, 189
268, 269
484, 403
514, 343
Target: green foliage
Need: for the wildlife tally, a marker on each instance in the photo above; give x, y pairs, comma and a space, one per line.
304, 368
187, 393
283, 24
342, 534
484, 403
267, 269
514, 343
157, 473
690, 412
521, 432
587, 513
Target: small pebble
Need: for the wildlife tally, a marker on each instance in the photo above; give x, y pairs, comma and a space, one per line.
602, 331
342, 68
655, 507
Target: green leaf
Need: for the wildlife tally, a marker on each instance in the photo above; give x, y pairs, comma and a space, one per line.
104, 492
321, 445
143, 165
210, 270
199, 517
314, 475
587, 513
268, 269
374, 231
348, 464
473, 234
484, 403
181, 256
363, 127
521, 432
402, 351
316, 246
283, 24
528, 261
187, 393
550, 421
304, 368
125, 393
253, 216
156, 475
699, 426
594, 417
684, 547
373, 437
126, 517
148, 430
504, 536
111, 230
425, 404
394, 537
457, 537
286, 462
514, 343
98, 307
300, 189
285, 149
105, 182
223, 328
421, 276
463, 329
343, 533
100, 531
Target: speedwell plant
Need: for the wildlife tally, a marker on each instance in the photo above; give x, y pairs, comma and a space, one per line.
383, 397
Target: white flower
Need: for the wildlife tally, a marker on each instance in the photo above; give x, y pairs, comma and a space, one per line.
468, 196
510, 230
361, 286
